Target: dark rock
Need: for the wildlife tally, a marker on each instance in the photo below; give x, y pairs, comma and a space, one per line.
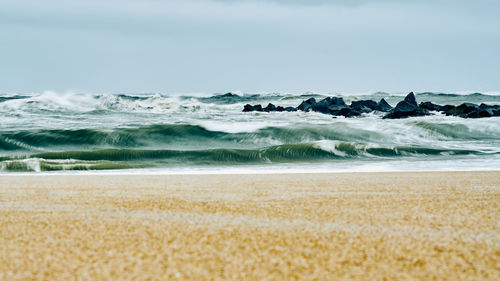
430, 106
249, 107
270, 107
473, 114
363, 110
447, 107
410, 99
329, 105
348, 112
495, 109
331, 101
228, 98
407, 108
487, 112
307, 104
383, 106
470, 110
464, 110
344, 112
487, 106
358, 105
435, 107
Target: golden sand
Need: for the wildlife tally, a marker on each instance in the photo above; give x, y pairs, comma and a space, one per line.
371, 226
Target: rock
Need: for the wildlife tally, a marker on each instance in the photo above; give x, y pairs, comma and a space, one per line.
407, 108
383, 106
249, 108
329, 105
348, 112
487, 112
491, 107
496, 106
435, 107
329, 101
430, 106
228, 98
307, 104
464, 110
410, 99
470, 110
448, 107
358, 105
495, 109
270, 107
473, 114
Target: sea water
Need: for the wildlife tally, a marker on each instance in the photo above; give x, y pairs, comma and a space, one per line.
209, 133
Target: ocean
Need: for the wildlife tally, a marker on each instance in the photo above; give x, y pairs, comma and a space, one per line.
189, 133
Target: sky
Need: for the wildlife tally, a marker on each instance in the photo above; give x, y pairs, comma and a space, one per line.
187, 46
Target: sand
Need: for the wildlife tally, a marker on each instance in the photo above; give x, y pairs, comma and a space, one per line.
342, 226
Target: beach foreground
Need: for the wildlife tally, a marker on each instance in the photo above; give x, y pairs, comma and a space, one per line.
422, 225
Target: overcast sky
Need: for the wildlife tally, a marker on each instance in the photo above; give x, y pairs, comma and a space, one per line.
249, 45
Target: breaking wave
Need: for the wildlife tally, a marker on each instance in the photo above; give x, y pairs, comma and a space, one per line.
51, 131
287, 153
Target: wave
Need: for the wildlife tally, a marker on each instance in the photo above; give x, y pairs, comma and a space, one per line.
120, 137
52, 131
43, 165
455, 131
51, 102
185, 136
15, 97
287, 153
458, 98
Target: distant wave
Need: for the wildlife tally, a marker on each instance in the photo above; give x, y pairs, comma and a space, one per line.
15, 97
50, 101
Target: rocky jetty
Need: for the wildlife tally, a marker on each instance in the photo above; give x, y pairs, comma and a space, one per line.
470, 110
331, 105
408, 107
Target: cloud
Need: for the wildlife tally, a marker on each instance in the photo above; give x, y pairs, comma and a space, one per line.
276, 44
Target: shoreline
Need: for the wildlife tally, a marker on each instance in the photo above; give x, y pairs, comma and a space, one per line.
165, 172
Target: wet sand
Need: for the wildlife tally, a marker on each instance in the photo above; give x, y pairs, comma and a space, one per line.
362, 226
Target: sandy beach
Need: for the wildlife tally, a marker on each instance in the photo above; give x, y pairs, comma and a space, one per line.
350, 226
